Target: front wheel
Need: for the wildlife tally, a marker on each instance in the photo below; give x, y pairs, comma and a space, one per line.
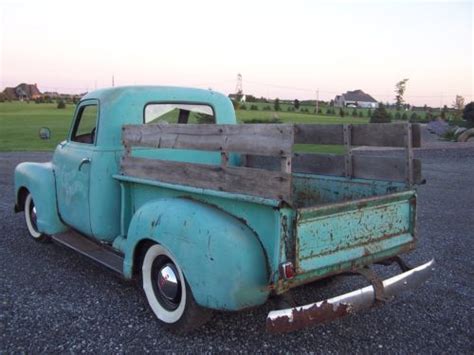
168, 293
31, 220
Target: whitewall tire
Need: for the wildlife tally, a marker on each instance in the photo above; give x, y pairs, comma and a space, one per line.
167, 292
31, 220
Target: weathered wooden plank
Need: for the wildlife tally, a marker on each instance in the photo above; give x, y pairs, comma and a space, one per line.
319, 134
324, 164
379, 134
373, 134
263, 139
248, 181
364, 166
384, 168
416, 132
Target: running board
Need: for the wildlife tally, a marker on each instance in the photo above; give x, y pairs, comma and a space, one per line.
102, 254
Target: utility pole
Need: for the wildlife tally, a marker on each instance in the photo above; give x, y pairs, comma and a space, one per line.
317, 101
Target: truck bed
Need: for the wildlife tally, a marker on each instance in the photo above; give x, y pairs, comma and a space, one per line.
326, 214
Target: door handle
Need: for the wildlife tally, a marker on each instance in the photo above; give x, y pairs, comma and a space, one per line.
84, 161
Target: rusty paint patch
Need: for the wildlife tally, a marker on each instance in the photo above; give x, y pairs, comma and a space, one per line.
304, 317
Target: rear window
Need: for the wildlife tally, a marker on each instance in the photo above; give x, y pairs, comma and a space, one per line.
179, 113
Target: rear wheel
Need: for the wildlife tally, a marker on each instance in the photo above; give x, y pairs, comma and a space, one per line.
168, 293
31, 220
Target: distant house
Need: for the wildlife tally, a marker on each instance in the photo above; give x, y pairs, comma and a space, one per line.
356, 98
22, 92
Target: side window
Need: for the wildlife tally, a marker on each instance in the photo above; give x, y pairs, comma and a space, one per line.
85, 125
178, 113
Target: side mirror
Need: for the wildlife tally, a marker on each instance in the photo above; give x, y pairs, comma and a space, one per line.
44, 133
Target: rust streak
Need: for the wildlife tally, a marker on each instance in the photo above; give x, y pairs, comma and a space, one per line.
301, 318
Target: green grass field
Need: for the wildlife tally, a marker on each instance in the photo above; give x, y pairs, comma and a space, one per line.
20, 123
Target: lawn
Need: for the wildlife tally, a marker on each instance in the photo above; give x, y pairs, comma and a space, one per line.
21, 121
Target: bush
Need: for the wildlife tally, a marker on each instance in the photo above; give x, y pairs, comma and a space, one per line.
398, 116
369, 113
266, 108
404, 116
341, 112
361, 114
380, 115
253, 107
242, 107
354, 113
414, 117
429, 115
290, 109
61, 104
263, 120
468, 112
276, 104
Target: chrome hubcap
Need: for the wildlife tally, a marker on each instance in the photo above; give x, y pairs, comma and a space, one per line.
168, 282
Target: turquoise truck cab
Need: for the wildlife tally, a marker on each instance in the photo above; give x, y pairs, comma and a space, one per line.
141, 186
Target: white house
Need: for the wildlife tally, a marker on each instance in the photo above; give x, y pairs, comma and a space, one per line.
356, 98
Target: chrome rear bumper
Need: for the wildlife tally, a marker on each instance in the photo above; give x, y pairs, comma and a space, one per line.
290, 319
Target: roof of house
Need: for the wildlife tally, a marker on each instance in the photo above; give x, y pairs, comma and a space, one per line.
358, 95
29, 89
10, 93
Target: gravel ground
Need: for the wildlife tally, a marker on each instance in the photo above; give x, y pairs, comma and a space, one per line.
53, 300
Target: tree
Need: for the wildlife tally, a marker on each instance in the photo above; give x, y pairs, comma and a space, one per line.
398, 116
444, 112
276, 104
354, 113
413, 117
429, 115
404, 116
61, 104
380, 115
400, 88
458, 105
341, 112
296, 103
468, 113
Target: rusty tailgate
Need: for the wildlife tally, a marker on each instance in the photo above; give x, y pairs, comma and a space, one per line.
347, 235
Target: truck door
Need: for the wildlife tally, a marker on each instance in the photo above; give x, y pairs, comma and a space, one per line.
72, 166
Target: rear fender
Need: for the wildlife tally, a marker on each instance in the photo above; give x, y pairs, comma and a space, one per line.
38, 179
221, 257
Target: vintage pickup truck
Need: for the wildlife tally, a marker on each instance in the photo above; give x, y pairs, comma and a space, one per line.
161, 185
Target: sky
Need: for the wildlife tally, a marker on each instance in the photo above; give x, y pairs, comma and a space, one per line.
286, 49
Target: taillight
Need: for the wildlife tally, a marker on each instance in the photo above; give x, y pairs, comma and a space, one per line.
287, 270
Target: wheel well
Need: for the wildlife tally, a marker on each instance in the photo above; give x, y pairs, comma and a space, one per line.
22, 194
139, 255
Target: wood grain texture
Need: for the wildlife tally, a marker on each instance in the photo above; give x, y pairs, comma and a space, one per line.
248, 181
364, 166
373, 134
263, 139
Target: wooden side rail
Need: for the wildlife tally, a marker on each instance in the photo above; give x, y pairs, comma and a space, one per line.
363, 166
373, 134
275, 141
267, 149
